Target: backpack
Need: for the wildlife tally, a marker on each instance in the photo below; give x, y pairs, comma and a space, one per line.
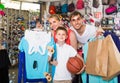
2, 13
58, 9
64, 8
71, 7
96, 3
111, 9
52, 9
80, 4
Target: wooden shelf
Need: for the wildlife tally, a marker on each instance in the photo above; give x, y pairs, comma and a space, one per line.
107, 28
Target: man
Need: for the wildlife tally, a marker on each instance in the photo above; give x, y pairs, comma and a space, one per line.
83, 31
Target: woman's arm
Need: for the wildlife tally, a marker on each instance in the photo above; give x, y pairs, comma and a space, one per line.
73, 40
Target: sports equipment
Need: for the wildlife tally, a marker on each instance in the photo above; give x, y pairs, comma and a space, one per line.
74, 65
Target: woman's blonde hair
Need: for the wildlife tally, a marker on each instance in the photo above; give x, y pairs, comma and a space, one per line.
56, 16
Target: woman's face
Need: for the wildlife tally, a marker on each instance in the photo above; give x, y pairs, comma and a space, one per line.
54, 23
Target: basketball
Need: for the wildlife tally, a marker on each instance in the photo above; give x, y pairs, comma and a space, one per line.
74, 65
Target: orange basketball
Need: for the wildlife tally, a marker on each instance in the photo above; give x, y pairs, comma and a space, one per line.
74, 65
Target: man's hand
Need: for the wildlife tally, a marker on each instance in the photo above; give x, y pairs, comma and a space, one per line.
84, 66
99, 32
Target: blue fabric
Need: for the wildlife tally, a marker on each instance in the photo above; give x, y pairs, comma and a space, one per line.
92, 78
22, 71
30, 72
54, 58
21, 62
38, 72
115, 38
117, 43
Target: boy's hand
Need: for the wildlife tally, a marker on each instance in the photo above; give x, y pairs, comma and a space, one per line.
54, 62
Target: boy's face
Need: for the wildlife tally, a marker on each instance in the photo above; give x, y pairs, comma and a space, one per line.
61, 35
38, 25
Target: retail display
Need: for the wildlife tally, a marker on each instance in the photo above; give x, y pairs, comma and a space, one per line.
71, 7
13, 29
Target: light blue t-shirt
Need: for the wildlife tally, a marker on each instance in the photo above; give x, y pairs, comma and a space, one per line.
36, 53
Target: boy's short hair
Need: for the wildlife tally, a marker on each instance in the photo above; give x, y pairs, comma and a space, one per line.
61, 28
75, 13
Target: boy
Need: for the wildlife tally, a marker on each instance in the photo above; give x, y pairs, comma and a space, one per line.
64, 52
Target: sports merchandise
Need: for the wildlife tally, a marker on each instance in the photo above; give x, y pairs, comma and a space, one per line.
74, 65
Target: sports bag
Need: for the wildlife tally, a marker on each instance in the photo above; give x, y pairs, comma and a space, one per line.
64, 8
111, 9
71, 7
2, 13
58, 9
96, 3
52, 9
80, 4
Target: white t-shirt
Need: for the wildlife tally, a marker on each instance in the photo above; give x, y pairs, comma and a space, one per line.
63, 53
89, 32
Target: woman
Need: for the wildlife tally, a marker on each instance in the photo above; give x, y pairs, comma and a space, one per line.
55, 22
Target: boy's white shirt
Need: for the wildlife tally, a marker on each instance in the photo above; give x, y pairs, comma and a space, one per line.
64, 52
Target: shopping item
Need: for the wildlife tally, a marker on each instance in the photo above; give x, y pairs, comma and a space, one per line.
114, 60
71, 7
96, 3
111, 9
80, 4
97, 57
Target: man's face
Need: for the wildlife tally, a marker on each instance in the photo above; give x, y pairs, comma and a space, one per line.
76, 22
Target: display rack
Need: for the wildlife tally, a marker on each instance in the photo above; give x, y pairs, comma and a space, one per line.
13, 31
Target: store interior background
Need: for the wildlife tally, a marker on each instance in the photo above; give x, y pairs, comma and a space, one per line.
20, 15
